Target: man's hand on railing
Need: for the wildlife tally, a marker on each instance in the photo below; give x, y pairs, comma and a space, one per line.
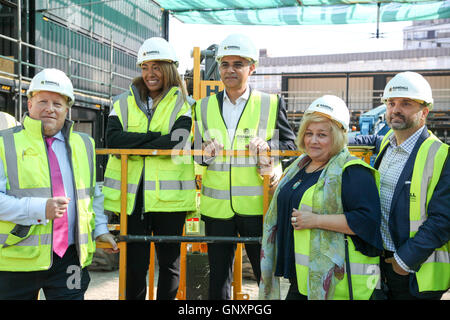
108, 238
211, 148
260, 147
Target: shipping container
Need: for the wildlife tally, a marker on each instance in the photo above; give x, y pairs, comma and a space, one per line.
94, 42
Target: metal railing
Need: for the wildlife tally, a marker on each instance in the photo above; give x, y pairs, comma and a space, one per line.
361, 152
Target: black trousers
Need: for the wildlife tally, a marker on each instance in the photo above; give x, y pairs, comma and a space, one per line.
397, 287
221, 255
65, 280
168, 254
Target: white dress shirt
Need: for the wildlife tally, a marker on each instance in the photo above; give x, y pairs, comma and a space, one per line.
231, 112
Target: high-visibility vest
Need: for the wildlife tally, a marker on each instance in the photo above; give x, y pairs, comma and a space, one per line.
365, 271
434, 273
24, 155
232, 184
168, 181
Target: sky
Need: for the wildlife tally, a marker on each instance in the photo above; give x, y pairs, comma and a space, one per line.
281, 41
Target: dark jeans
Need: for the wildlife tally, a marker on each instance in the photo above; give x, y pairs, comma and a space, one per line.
65, 280
168, 254
221, 255
397, 287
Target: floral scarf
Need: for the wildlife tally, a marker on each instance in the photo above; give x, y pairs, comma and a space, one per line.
327, 251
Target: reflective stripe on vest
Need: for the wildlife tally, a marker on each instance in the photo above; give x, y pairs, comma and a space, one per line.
115, 184
434, 273
365, 271
231, 184
235, 191
36, 240
420, 181
356, 268
32, 240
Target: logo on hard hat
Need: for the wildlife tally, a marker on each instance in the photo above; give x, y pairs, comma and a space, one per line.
150, 53
231, 47
398, 88
320, 105
53, 83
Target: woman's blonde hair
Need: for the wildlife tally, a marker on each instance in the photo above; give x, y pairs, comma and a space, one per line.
338, 135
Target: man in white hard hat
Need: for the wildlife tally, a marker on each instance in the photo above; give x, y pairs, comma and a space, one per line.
414, 193
237, 118
51, 209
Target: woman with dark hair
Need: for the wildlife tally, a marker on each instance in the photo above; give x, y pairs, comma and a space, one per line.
153, 114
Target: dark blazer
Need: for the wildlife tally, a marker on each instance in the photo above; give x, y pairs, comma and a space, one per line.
435, 231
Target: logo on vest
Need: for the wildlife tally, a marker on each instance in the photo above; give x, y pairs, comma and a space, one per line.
245, 135
412, 196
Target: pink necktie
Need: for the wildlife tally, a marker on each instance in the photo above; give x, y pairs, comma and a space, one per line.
60, 225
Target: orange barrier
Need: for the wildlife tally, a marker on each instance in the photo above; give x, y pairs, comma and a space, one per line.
361, 152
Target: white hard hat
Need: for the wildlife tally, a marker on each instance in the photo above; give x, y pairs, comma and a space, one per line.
156, 49
238, 45
7, 121
331, 107
409, 85
52, 80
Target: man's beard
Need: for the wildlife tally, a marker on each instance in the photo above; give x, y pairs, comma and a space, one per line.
404, 125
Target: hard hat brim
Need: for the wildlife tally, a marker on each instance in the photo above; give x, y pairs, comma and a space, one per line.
340, 125
138, 64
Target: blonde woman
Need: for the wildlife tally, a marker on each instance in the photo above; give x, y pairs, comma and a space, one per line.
322, 228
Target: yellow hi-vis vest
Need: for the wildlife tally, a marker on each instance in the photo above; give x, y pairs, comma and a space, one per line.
434, 274
24, 155
365, 271
169, 181
232, 184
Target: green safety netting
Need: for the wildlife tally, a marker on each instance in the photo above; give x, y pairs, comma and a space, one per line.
303, 12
